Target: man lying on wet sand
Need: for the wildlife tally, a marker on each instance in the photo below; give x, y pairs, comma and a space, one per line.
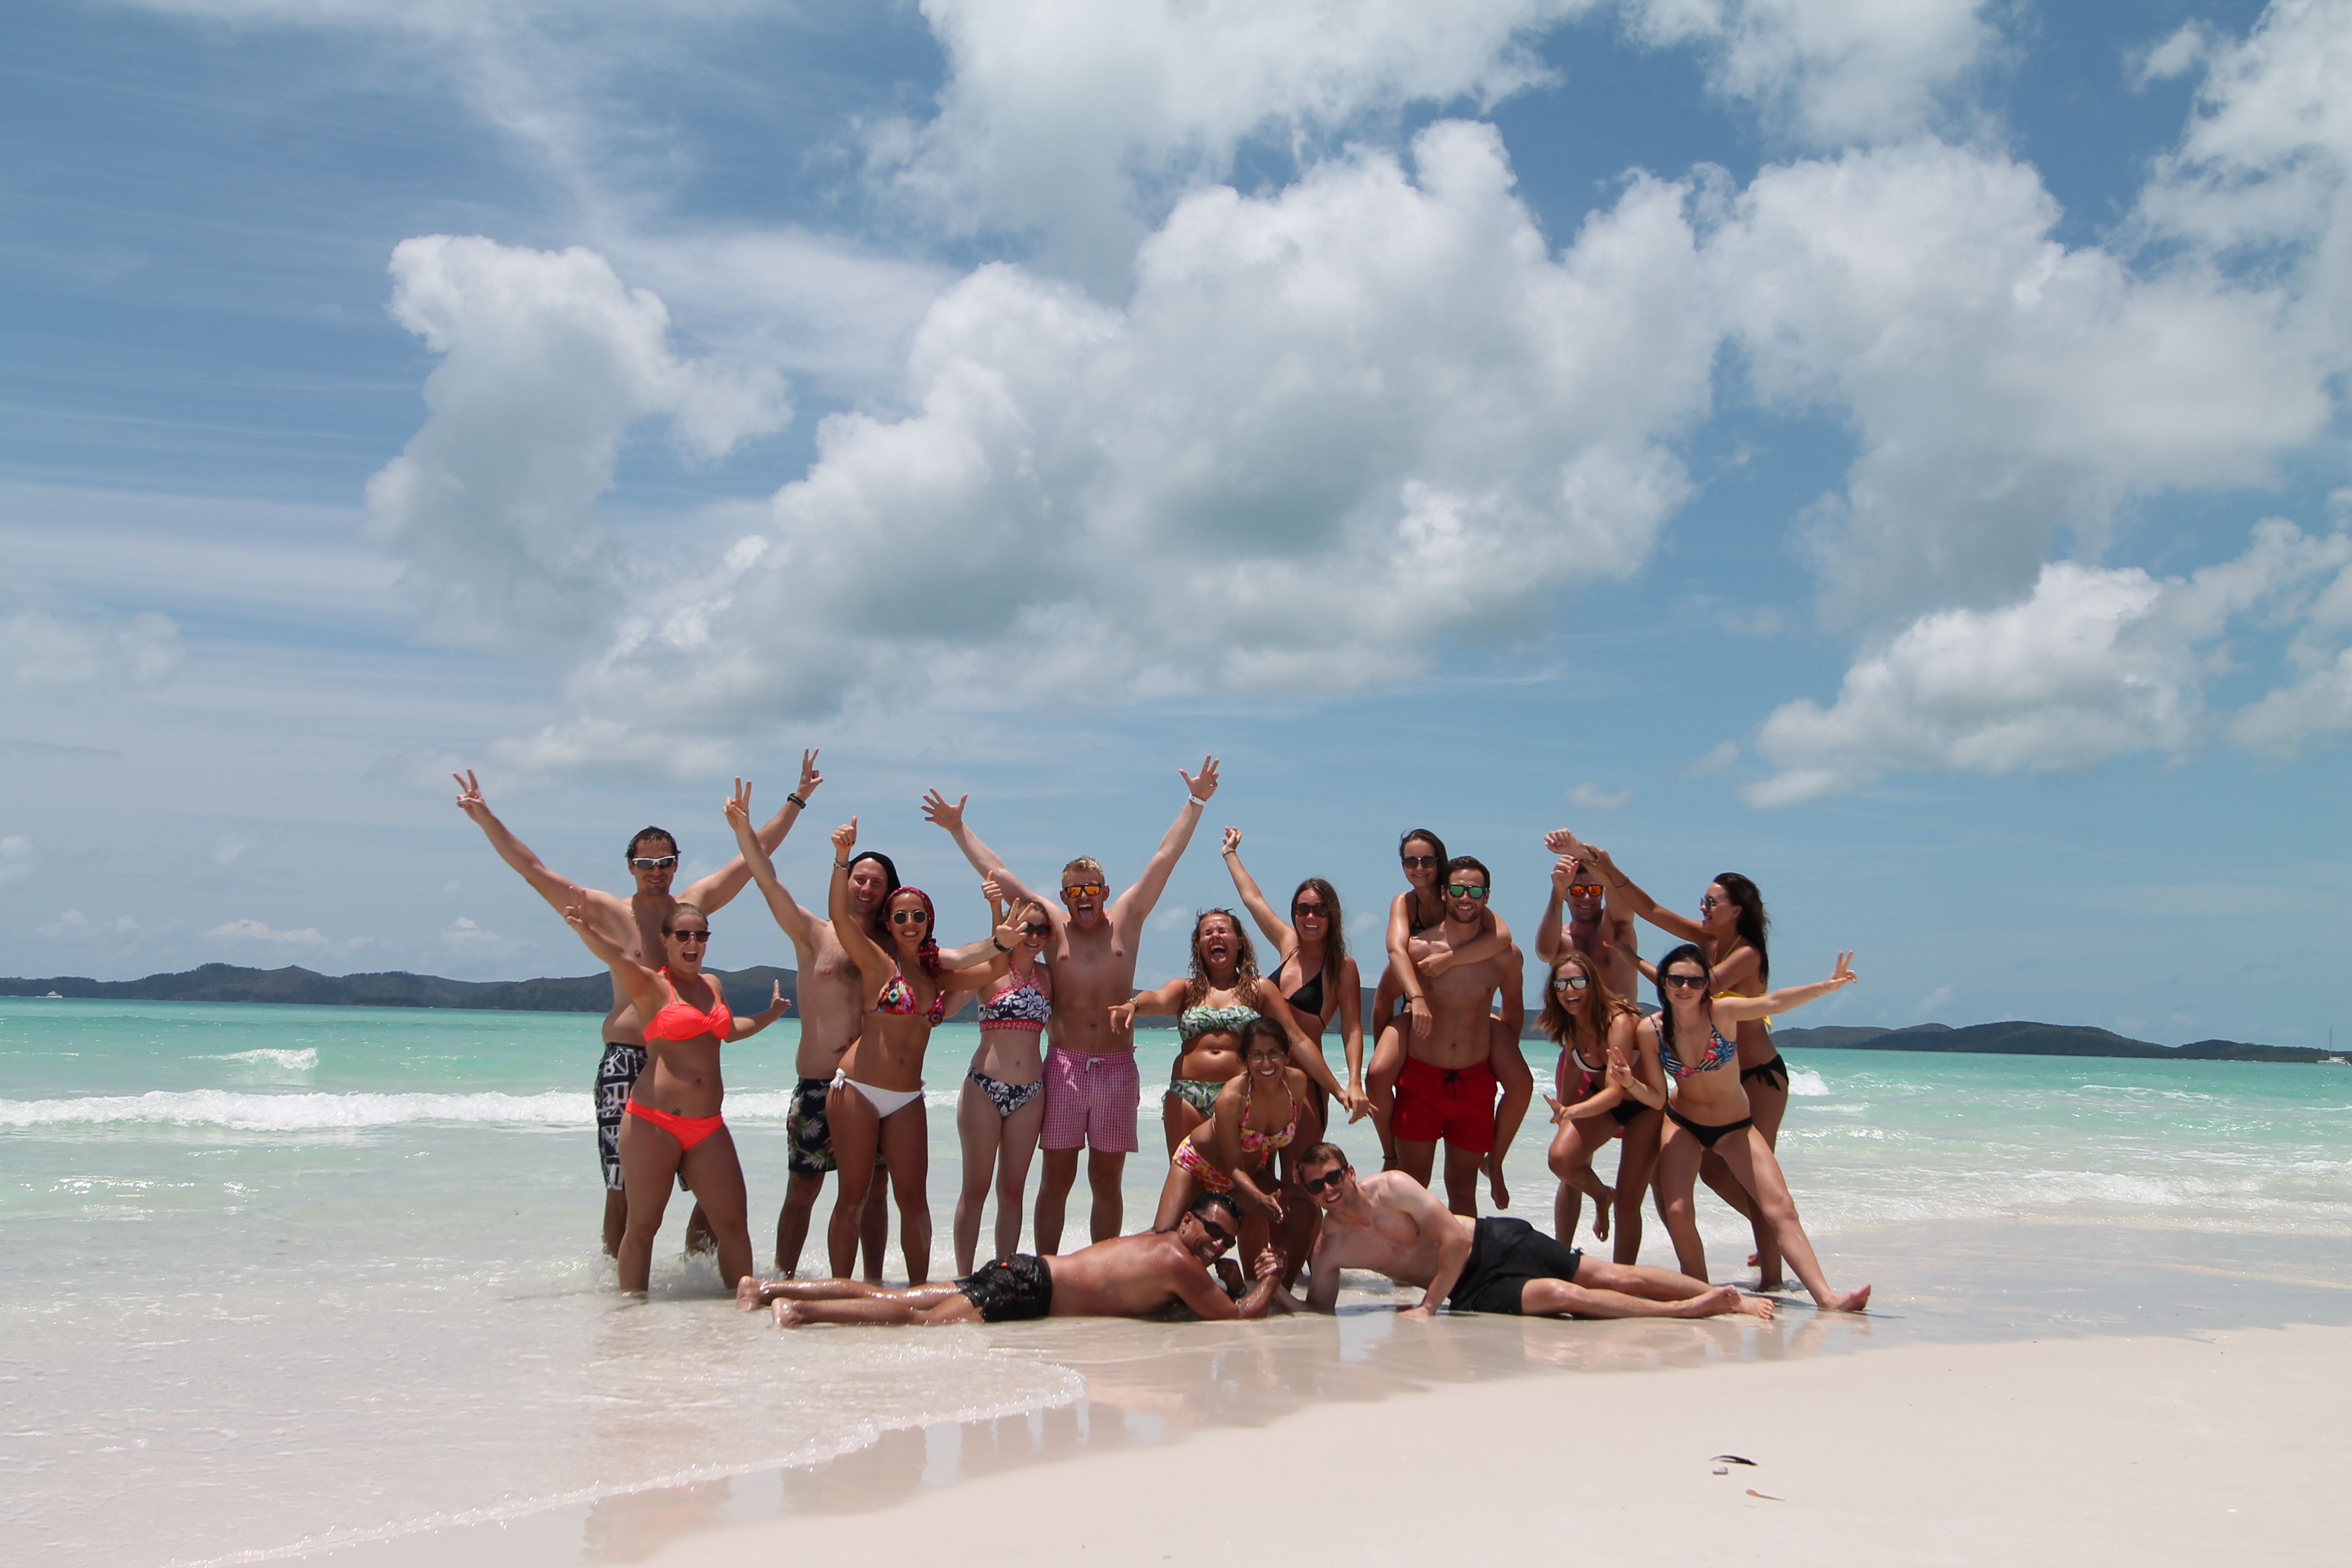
1126, 1276
1392, 1225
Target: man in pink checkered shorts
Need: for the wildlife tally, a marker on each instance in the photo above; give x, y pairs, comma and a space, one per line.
1092, 1089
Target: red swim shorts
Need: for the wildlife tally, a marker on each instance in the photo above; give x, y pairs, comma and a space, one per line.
1434, 1102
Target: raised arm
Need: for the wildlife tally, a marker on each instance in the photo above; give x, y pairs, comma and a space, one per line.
1275, 929
1548, 937
643, 983
1623, 891
984, 860
1129, 910
796, 921
873, 963
1740, 1009
776, 1009
999, 958
561, 892
718, 888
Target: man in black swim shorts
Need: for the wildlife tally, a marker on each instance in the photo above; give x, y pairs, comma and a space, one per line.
1126, 1276
1392, 1225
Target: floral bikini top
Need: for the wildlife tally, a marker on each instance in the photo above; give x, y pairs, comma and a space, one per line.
898, 997
1718, 1051
1194, 1022
1016, 1004
1254, 1142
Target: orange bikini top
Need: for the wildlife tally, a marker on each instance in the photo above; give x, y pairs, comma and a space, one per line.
683, 1021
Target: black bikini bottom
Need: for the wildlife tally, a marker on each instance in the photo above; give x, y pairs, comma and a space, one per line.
1774, 1073
1707, 1136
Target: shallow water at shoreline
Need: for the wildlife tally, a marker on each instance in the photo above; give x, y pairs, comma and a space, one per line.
317, 1274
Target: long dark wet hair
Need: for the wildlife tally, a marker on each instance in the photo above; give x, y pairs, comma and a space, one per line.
1244, 958
1753, 922
1689, 953
1335, 939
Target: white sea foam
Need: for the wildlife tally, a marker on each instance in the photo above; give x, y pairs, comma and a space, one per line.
1806, 1083
291, 1061
252, 1112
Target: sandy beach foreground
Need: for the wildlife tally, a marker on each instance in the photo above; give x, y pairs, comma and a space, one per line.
2152, 1450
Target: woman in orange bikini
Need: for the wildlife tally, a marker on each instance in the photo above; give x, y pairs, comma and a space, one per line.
1267, 1110
876, 1099
671, 1125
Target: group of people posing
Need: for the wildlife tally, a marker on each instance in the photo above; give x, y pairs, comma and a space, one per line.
1694, 1090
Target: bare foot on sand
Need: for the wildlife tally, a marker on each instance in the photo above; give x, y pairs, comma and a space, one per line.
787, 1313
1606, 1203
1754, 1306
1852, 1301
747, 1294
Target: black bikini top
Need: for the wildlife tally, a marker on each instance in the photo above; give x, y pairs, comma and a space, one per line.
1309, 997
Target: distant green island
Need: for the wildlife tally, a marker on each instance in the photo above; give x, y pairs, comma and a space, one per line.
296, 986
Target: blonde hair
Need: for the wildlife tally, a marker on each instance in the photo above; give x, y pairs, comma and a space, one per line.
1090, 866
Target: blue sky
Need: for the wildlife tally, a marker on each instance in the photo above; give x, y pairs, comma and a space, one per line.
1894, 451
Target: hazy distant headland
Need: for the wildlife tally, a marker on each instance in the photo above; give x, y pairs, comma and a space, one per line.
593, 994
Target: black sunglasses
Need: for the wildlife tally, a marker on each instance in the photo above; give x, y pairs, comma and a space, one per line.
1415, 862
1217, 1233
703, 935
1687, 981
1329, 1178
1037, 930
1318, 910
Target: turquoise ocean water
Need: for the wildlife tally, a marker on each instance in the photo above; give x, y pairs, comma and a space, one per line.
283, 1275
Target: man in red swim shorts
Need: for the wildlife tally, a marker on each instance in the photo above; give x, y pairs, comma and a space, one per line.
1446, 1090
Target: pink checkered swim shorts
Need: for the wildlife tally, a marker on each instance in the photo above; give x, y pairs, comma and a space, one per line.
1091, 1099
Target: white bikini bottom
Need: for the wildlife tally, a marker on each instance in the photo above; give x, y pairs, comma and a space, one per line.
884, 1100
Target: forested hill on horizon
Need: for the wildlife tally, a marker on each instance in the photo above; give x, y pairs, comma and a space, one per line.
296, 986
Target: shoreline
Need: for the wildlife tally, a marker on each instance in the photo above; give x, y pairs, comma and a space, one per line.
1999, 1383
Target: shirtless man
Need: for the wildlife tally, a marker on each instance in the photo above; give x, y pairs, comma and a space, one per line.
1447, 1089
634, 924
1392, 1225
1606, 936
1091, 1086
832, 1006
1125, 1277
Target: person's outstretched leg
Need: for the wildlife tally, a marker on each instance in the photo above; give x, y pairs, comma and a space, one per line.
1751, 1161
1559, 1298
1509, 1065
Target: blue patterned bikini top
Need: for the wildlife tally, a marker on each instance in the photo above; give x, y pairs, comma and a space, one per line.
1718, 1051
1016, 1004
1194, 1022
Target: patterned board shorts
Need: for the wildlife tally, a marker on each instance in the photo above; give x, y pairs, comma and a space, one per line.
1091, 1101
808, 1135
615, 1075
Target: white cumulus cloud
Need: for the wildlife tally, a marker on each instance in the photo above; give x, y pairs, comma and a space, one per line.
1078, 122
2094, 663
42, 649
1590, 796
258, 933
547, 361
1331, 424
1831, 72
2007, 390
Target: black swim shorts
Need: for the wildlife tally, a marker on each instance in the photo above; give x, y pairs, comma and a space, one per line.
1505, 1254
1010, 1288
